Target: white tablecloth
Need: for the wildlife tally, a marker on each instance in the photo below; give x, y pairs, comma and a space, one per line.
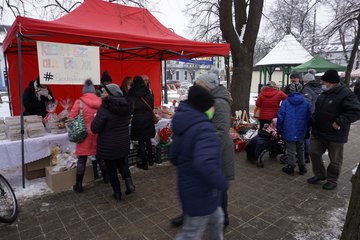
34, 149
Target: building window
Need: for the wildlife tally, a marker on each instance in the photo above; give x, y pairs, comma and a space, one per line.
177, 75
168, 75
185, 75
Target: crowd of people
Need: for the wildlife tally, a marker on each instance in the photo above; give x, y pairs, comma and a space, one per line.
108, 111
312, 117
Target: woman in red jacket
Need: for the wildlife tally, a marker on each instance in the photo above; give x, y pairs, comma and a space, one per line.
269, 101
90, 104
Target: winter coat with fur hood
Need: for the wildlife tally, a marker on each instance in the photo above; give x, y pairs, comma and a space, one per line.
111, 123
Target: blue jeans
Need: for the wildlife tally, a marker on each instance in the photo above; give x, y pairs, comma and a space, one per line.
194, 227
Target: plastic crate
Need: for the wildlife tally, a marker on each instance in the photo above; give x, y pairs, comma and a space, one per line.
162, 152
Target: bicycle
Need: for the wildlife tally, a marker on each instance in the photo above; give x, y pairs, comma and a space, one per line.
8, 202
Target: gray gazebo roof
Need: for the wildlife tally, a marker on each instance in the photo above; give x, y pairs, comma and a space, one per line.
287, 52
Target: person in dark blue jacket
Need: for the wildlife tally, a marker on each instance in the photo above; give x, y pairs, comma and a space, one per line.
196, 153
293, 123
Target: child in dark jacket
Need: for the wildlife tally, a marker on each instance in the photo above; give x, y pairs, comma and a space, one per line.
196, 153
293, 123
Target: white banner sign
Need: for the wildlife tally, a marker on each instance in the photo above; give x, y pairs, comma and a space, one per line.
68, 64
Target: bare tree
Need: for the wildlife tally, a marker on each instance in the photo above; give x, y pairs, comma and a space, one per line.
241, 32
236, 22
347, 18
295, 17
48, 10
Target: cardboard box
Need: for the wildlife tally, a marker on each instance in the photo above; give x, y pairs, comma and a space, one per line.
36, 169
60, 181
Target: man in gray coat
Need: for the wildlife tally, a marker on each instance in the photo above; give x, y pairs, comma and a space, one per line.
222, 123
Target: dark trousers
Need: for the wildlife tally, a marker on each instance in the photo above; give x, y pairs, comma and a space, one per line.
81, 165
113, 166
145, 151
318, 147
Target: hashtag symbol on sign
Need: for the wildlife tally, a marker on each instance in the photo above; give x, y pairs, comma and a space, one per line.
48, 76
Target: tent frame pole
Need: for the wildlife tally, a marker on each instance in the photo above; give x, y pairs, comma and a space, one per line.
164, 84
19, 35
7, 83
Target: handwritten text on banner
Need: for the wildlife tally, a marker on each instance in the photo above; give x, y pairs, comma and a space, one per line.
67, 63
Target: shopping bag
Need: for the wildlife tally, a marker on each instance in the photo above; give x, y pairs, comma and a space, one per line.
77, 128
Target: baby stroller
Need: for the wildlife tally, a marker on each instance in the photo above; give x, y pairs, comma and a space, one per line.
264, 143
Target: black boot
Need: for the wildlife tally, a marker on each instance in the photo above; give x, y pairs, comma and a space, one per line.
151, 161
178, 221
105, 176
78, 185
288, 169
130, 187
302, 169
117, 191
143, 166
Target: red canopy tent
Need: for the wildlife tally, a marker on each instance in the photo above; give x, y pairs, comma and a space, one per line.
131, 40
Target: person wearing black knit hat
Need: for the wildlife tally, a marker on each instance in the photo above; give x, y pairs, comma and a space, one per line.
196, 153
335, 109
200, 99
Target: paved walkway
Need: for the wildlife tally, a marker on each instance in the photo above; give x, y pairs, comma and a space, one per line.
264, 204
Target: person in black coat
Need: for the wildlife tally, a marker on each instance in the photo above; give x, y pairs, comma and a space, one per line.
357, 89
111, 123
35, 98
142, 124
335, 109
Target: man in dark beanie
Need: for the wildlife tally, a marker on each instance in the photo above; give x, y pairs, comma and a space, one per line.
335, 109
196, 153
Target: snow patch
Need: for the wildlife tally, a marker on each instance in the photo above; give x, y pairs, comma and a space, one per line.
33, 188
331, 230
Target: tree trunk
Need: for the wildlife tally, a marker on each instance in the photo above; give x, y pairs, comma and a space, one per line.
242, 50
351, 230
353, 53
241, 79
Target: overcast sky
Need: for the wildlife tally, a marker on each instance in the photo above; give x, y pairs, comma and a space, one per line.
169, 13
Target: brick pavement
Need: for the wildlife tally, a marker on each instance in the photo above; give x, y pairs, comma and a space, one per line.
263, 204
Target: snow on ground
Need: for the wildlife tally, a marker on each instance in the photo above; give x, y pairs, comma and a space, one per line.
35, 187
4, 107
333, 222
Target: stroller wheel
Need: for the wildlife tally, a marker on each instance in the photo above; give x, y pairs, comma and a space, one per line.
283, 159
272, 155
260, 160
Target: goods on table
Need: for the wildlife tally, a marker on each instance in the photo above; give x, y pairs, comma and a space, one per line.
34, 126
13, 128
52, 121
63, 158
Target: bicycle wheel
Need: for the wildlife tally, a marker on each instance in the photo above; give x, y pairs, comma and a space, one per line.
8, 203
